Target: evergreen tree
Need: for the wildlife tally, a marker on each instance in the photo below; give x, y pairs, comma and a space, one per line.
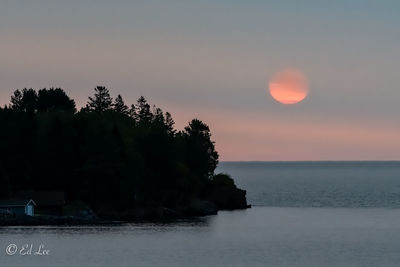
202, 156
132, 112
105, 160
119, 106
102, 101
16, 100
158, 116
54, 99
143, 112
29, 100
169, 123
24, 101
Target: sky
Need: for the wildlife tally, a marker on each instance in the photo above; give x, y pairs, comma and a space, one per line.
213, 59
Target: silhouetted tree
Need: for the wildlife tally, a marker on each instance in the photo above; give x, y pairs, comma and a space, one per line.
201, 154
24, 101
132, 112
119, 105
54, 99
16, 101
142, 111
158, 116
108, 160
101, 101
169, 123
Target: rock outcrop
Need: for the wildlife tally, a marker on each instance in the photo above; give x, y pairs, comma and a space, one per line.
228, 198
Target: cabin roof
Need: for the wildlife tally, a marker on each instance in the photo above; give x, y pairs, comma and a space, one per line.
16, 203
44, 199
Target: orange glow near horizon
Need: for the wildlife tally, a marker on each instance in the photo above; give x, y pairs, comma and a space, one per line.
288, 86
263, 137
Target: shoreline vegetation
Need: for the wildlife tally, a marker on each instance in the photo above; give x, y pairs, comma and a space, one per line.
113, 162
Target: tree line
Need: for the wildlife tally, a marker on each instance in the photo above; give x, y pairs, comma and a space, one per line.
110, 155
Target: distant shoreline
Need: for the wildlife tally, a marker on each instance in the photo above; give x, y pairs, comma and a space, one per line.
159, 215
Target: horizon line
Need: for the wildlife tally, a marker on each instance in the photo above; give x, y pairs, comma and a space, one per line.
277, 161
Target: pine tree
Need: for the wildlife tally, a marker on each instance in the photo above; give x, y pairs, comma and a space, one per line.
16, 100
158, 116
202, 157
143, 111
119, 106
132, 112
169, 123
102, 101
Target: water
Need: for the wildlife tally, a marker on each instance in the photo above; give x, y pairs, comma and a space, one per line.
318, 184
305, 214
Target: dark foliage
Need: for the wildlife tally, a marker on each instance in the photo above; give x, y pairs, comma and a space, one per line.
54, 99
25, 101
119, 106
101, 101
111, 157
45, 100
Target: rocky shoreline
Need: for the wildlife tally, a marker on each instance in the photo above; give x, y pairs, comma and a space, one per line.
215, 200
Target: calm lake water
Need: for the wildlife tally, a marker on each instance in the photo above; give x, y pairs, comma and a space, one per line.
318, 184
305, 214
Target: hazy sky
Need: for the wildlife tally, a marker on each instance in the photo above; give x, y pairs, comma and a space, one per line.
212, 60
